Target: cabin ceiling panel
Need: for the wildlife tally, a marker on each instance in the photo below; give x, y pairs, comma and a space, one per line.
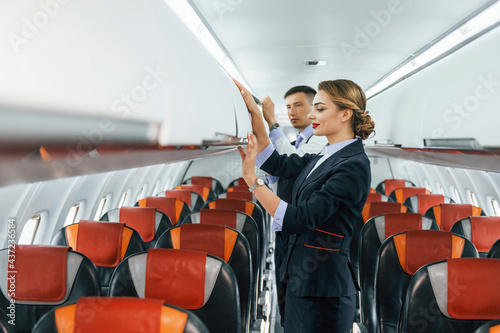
362, 40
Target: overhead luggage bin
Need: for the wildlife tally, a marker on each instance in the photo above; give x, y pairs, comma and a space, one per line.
110, 72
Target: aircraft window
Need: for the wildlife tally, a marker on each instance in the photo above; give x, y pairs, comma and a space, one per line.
73, 212
122, 200
496, 208
156, 189
100, 208
473, 198
29, 230
457, 196
427, 185
142, 192
441, 189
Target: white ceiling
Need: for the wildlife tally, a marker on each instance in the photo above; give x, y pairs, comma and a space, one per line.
270, 40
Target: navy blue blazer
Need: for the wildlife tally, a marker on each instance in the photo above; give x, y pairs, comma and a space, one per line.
319, 221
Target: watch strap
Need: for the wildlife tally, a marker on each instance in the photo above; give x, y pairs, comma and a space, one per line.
256, 184
273, 126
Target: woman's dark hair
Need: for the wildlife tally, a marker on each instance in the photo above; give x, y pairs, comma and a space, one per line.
348, 95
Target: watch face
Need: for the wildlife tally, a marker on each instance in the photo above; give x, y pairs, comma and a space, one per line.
260, 181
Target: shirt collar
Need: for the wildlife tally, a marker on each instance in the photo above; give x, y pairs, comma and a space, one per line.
306, 132
332, 149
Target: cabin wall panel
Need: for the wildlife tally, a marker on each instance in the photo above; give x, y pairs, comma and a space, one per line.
484, 190
49, 198
13, 200
380, 169
404, 169
432, 177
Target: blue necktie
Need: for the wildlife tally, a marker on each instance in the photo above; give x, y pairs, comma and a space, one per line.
298, 141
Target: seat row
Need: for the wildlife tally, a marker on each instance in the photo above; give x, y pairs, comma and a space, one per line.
47, 277
201, 267
222, 232
394, 246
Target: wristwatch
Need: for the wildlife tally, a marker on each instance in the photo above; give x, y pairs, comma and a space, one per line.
258, 182
274, 126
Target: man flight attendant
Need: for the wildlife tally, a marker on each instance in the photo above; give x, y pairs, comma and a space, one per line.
298, 103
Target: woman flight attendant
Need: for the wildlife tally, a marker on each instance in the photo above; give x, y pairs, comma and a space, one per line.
328, 196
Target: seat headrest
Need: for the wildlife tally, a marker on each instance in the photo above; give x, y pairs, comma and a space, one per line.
141, 219
235, 204
203, 181
416, 248
447, 214
102, 242
485, 231
400, 222
201, 190
238, 188
403, 193
426, 201
392, 184
467, 288
170, 206
183, 195
217, 240
374, 197
120, 314
170, 271
372, 209
219, 216
243, 195
39, 273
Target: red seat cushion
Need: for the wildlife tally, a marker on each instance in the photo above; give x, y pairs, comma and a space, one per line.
473, 288
400, 222
203, 181
219, 216
485, 232
177, 277
39, 273
426, 201
392, 184
101, 242
183, 195
141, 219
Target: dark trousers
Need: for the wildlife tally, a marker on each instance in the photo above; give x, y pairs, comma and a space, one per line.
319, 314
280, 248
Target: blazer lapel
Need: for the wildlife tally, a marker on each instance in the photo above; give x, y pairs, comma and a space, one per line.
304, 173
350, 150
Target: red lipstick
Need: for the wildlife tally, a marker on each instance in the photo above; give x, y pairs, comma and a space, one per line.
315, 125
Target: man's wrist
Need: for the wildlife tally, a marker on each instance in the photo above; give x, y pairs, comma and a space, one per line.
273, 126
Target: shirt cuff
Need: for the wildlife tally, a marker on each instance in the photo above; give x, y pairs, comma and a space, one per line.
276, 134
272, 179
279, 214
264, 155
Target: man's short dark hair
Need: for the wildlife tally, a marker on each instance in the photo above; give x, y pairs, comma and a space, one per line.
310, 92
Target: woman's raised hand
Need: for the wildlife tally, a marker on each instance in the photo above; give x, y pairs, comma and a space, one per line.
248, 98
261, 138
248, 160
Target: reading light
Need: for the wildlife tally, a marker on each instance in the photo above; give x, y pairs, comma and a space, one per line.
316, 62
456, 38
191, 19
